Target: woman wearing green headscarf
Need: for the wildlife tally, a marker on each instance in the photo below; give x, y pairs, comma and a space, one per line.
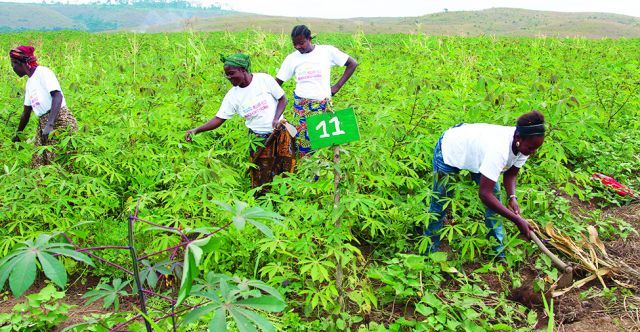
261, 101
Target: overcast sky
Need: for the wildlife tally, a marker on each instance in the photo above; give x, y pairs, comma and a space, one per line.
381, 8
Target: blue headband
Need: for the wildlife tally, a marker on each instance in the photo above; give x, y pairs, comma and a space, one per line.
531, 130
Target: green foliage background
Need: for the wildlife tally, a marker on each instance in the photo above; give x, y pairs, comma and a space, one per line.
134, 95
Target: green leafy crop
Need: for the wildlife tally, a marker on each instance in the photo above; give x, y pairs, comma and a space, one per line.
134, 95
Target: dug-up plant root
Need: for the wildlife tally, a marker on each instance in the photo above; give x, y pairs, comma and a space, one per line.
589, 254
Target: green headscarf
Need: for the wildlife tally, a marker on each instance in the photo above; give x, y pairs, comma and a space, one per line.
237, 60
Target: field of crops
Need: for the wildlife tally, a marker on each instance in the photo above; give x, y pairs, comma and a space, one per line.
270, 263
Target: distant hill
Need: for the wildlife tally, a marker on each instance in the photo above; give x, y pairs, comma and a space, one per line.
495, 21
96, 17
159, 18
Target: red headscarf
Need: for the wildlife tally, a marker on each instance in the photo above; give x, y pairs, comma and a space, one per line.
24, 54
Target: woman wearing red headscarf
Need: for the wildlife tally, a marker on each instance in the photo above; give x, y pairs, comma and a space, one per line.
44, 97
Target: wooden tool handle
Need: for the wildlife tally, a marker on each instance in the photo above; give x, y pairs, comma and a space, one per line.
556, 261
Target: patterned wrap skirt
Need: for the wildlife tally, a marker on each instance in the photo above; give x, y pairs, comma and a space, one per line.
65, 121
302, 108
279, 156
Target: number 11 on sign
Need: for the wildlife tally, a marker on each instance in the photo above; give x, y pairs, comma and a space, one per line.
332, 128
323, 125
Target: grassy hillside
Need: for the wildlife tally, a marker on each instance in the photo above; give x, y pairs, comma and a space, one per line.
497, 21
16, 17
20, 17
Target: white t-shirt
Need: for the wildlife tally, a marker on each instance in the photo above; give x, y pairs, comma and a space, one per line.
38, 91
481, 148
256, 103
312, 70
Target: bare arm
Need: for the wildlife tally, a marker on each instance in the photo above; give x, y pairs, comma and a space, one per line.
490, 200
282, 102
211, 125
56, 103
351, 65
24, 120
509, 179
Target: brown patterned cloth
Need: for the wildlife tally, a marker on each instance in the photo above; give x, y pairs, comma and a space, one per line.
278, 157
65, 120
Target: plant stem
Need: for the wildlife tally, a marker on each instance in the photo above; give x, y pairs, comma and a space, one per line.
136, 274
182, 244
98, 257
160, 226
164, 250
408, 132
101, 248
175, 313
338, 224
118, 327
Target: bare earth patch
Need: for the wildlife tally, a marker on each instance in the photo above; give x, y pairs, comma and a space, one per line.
601, 313
73, 296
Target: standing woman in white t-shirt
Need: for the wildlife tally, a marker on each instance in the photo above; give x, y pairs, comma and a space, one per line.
44, 97
261, 101
486, 151
311, 66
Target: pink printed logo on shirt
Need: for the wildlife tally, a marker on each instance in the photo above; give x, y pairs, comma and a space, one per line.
310, 75
255, 109
34, 102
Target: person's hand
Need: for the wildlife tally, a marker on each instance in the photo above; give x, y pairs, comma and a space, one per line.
188, 135
524, 227
513, 206
275, 124
45, 132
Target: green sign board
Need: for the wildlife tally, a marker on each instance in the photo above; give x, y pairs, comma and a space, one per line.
335, 128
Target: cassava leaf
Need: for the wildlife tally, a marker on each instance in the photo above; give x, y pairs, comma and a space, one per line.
53, 269
23, 274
